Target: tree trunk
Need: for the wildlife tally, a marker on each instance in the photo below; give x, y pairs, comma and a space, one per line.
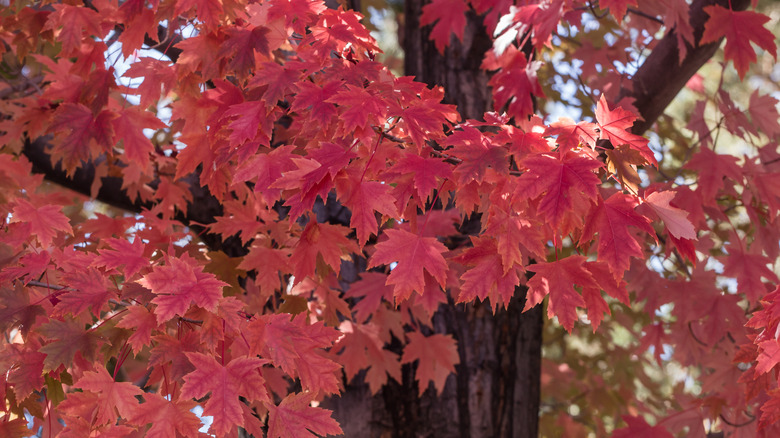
496, 390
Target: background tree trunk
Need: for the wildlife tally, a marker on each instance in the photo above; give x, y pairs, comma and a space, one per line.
496, 390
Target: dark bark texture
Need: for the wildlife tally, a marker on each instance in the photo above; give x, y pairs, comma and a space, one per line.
663, 75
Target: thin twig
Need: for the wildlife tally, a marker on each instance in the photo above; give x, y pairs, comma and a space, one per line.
645, 15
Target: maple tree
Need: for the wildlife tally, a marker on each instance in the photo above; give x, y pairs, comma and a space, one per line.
286, 223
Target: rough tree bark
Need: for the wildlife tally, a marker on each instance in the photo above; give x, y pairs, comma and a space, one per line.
496, 389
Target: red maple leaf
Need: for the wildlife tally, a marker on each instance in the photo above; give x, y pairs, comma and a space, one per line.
243, 220
430, 299
180, 283
80, 409
488, 277
157, 81
209, 12
314, 98
166, 417
16, 309
560, 179
295, 417
25, 372
297, 14
611, 219
516, 236
617, 8
515, 83
557, 279
277, 80
44, 221
225, 383
426, 172
87, 138
714, 169
596, 306
113, 397
676, 220
13, 428
372, 288
122, 252
249, 118
267, 169
616, 126
169, 352
68, 338
297, 348
654, 336
449, 16
361, 348
314, 176
141, 321
571, 135
748, 266
173, 195
241, 44
328, 304
268, 263
88, 289
770, 410
763, 113
438, 355
128, 127
365, 199
424, 118
341, 31
477, 153
594, 302
199, 53
137, 25
75, 21
324, 242
358, 107
740, 29
414, 254
31, 266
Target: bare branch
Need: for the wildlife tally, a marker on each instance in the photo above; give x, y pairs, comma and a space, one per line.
203, 209
663, 75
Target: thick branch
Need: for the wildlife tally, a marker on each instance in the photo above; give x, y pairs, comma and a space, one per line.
202, 210
110, 193
662, 75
